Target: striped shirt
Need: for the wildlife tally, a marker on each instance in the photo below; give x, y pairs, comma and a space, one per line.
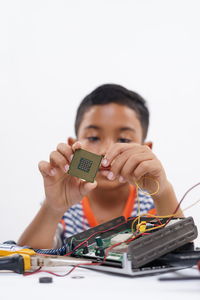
80, 217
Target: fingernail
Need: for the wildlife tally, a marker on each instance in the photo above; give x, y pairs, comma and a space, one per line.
104, 162
110, 176
121, 179
66, 168
70, 159
53, 172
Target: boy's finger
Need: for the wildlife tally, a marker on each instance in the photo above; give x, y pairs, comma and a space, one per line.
46, 169
77, 145
58, 160
65, 150
147, 167
115, 150
86, 187
133, 162
104, 172
117, 165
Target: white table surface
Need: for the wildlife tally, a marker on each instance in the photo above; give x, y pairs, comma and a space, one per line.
97, 285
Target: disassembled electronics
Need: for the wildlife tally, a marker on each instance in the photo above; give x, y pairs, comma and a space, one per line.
118, 249
135, 247
85, 165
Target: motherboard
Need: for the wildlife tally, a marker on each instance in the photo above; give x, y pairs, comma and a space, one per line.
137, 247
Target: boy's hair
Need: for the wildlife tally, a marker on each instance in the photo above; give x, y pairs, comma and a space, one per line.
113, 93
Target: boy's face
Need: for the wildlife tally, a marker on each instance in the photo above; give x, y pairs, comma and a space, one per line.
104, 125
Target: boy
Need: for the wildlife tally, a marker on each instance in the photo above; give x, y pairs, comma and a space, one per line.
111, 121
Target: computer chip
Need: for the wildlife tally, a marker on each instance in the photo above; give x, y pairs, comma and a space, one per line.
85, 165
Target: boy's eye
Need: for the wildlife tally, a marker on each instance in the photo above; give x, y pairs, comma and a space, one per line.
123, 140
92, 138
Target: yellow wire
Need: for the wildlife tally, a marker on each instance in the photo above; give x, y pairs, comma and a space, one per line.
148, 194
151, 215
147, 214
138, 201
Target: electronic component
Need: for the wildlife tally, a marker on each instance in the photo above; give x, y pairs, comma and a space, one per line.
100, 252
137, 253
45, 280
85, 250
99, 241
120, 238
85, 165
153, 246
141, 227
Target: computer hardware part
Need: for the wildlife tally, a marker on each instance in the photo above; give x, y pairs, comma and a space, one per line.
138, 256
85, 165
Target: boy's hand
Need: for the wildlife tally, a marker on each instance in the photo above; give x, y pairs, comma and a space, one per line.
61, 189
135, 163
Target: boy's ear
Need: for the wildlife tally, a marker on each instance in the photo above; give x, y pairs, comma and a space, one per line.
71, 141
149, 144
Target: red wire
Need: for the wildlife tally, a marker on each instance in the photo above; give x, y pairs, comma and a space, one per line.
181, 202
198, 265
60, 275
101, 231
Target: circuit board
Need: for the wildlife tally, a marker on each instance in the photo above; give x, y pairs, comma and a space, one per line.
121, 246
97, 249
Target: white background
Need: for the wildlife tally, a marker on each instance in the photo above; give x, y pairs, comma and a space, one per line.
52, 53
112, 286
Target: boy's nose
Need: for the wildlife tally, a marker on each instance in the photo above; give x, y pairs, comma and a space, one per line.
105, 147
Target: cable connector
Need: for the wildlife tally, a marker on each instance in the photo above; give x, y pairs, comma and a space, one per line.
141, 227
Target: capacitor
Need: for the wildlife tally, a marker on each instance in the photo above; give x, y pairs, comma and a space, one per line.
85, 250
99, 241
100, 251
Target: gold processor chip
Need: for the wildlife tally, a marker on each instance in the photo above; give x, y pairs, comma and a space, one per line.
85, 165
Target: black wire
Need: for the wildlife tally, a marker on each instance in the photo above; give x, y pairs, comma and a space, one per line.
60, 251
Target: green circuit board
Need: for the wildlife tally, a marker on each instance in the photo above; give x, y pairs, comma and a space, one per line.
114, 255
120, 244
